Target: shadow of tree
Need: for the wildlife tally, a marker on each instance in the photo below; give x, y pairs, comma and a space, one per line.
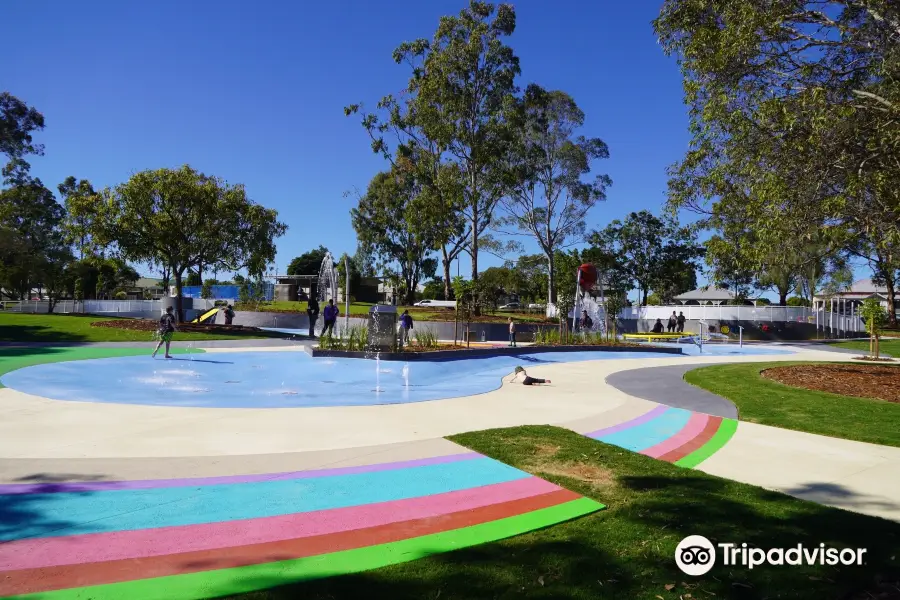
627, 551
24, 515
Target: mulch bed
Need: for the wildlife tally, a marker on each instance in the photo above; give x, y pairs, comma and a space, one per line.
861, 381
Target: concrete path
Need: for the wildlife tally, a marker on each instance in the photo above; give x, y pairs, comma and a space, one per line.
666, 385
584, 396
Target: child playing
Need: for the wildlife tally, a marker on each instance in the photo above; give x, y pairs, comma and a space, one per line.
165, 331
528, 380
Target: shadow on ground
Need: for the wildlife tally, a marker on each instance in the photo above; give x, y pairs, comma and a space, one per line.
627, 551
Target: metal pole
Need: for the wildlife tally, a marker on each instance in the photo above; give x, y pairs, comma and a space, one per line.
575, 303
346, 293
740, 336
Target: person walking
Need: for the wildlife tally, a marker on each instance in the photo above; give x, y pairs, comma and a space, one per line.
586, 321
330, 314
406, 323
229, 315
681, 321
312, 311
165, 331
512, 333
673, 322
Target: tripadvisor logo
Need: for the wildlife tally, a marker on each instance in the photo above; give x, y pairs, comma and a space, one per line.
696, 555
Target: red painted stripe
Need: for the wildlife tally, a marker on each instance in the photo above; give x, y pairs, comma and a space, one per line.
712, 426
46, 579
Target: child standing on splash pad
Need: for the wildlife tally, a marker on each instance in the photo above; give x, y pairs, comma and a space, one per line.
165, 331
528, 379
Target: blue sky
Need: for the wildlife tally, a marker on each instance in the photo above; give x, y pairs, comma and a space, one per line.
254, 92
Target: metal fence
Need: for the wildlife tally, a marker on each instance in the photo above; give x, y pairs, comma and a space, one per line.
86, 306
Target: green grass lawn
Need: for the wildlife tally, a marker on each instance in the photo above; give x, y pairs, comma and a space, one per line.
17, 327
770, 403
626, 551
890, 347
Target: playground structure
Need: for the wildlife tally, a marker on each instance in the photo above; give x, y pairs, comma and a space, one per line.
586, 278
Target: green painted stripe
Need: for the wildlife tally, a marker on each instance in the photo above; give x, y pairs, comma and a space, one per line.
721, 437
209, 584
12, 359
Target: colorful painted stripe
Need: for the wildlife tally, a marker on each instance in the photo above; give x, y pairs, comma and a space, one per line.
199, 538
220, 582
98, 512
147, 484
674, 435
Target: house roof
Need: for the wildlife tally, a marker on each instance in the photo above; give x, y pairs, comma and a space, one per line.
865, 286
148, 282
710, 294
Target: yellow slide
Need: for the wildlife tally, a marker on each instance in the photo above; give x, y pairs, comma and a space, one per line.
206, 315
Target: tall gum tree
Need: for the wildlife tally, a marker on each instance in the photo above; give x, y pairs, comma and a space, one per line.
547, 198
462, 85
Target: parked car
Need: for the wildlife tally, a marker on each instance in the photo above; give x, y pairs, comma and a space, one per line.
434, 303
511, 306
534, 306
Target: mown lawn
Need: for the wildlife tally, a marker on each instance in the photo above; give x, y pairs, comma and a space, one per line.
17, 327
626, 551
771, 403
890, 347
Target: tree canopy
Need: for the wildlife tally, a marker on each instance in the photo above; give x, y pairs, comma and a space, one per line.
308, 263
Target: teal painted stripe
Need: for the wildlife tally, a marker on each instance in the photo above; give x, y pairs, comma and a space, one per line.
655, 431
72, 513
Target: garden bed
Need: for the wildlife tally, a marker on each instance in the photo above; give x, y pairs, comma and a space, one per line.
860, 381
465, 353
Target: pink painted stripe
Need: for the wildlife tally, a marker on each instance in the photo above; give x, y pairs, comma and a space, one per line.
648, 416
143, 543
145, 484
692, 429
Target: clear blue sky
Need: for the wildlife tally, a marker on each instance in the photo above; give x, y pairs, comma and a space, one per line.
254, 92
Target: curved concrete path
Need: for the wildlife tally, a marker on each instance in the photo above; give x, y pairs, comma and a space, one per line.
60, 461
666, 385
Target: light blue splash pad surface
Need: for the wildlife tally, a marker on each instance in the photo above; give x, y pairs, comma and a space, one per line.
277, 379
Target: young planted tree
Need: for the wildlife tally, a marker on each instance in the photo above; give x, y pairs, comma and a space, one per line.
181, 218
547, 199
875, 317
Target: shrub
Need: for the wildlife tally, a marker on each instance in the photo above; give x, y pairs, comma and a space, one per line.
121, 295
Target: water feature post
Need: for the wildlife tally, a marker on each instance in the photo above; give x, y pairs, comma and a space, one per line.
347, 293
740, 336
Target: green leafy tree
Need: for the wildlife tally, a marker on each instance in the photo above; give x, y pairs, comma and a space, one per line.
17, 122
547, 198
793, 116
32, 219
206, 292
308, 263
193, 279
387, 225
184, 218
82, 206
655, 252
453, 121
875, 317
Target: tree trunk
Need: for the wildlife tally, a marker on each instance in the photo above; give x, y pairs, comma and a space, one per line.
891, 285
476, 310
551, 279
179, 310
445, 260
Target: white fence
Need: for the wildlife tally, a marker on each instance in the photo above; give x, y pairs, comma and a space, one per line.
824, 320
86, 306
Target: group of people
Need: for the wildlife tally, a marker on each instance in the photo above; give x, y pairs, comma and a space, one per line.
675, 324
330, 316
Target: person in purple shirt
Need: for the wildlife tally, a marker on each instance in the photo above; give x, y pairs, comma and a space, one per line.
330, 315
406, 323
